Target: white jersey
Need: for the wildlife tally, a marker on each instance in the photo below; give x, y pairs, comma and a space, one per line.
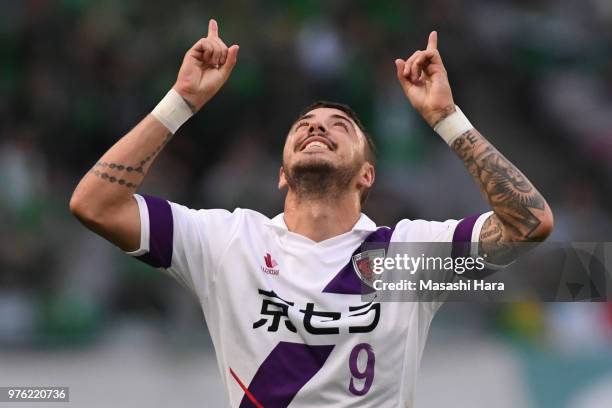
286, 314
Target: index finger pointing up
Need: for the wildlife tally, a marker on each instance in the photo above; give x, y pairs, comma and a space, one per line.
432, 43
213, 29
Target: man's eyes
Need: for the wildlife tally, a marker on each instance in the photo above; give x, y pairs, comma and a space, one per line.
341, 124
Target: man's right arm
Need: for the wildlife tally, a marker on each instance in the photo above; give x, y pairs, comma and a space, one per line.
103, 201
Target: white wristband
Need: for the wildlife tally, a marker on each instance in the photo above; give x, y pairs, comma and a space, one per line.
453, 126
172, 111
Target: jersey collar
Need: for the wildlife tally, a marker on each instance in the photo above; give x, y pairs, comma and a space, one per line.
364, 223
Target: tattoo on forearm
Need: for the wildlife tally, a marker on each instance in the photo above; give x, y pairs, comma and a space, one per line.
115, 172
511, 195
471, 138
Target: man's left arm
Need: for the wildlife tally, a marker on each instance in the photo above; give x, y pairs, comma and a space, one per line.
521, 214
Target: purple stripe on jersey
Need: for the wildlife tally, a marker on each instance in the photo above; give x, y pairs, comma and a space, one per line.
347, 281
462, 237
161, 230
284, 372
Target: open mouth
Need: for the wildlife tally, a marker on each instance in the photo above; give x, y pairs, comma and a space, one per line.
315, 144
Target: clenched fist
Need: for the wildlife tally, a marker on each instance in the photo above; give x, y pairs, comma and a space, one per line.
425, 82
206, 67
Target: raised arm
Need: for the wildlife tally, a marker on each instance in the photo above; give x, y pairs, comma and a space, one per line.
103, 200
521, 214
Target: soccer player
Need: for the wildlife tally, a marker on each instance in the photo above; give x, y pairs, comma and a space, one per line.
281, 297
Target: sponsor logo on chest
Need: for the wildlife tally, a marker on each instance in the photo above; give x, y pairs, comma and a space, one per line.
271, 265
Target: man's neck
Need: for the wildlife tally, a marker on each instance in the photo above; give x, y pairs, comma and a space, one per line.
321, 218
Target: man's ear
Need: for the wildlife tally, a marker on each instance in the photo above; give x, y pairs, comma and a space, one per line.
366, 176
282, 180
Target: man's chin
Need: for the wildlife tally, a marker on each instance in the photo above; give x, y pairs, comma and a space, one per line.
313, 164
318, 176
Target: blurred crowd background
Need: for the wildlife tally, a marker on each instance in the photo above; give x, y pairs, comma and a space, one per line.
534, 76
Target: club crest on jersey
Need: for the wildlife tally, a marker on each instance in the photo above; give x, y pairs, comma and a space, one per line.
271, 265
363, 264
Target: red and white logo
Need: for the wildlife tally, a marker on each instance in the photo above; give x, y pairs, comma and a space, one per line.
363, 264
271, 264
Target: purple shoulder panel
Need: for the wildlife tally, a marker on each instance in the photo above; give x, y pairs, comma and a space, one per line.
462, 237
161, 232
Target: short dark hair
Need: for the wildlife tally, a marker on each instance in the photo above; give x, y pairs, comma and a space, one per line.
370, 147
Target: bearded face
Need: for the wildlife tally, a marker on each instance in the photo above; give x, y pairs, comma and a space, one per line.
323, 154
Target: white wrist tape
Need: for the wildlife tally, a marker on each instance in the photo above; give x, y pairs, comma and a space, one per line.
453, 126
172, 111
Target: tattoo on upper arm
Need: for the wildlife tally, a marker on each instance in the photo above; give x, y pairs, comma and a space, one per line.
494, 245
113, 179
511, 195
115, 172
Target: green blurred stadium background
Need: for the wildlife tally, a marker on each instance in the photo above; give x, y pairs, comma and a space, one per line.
534, 76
